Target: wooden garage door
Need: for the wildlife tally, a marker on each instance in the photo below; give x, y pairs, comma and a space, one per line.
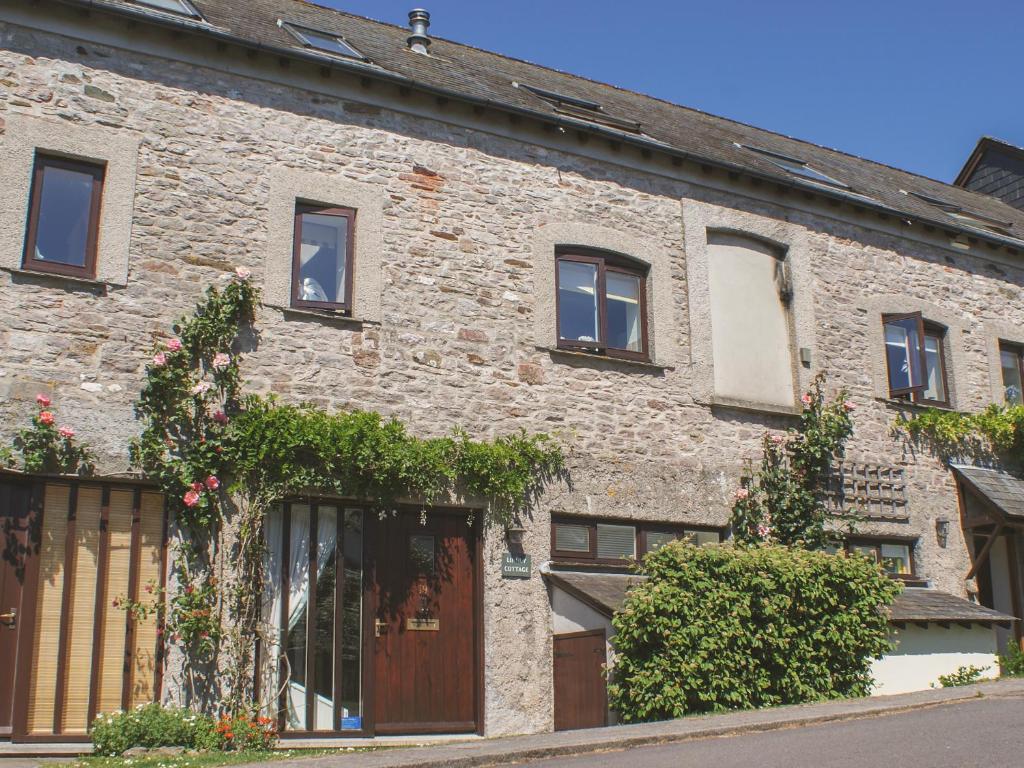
581, 696
96, 544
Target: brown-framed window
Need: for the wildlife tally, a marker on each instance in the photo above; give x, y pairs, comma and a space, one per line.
322, 257
64, 216
614, 541
916, 359
601, 304
895, 557
1011, 359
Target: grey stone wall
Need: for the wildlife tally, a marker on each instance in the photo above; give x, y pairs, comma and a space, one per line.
457, 343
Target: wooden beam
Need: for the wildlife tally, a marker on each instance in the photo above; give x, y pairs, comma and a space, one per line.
100, 609
1015, 585
64, 646
982, 556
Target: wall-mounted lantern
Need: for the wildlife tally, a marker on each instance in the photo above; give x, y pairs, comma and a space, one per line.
515, 534
942, 531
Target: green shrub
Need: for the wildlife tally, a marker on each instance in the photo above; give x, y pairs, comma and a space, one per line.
718, 628
149, 725
1011, 663
962, 676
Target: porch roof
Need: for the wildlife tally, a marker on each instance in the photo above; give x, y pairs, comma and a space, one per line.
920, 604
605, 592
1003, 492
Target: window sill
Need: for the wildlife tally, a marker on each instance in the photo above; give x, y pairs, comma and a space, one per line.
39, 276
754, 407
564, 564
322, 315
894, 402
572, 354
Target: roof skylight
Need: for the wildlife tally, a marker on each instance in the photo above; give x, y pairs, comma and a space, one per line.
581, 109
179, 7
796, 167
969, 218
326, 42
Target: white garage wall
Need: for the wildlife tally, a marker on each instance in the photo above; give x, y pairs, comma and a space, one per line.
922, 654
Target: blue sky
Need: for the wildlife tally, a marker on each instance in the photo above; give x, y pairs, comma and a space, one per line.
910, 83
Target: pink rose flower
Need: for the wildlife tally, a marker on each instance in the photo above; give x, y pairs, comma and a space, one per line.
849, 406
220, 417
191, 499
197, 487
806, 399
201, 388
220, 360
66, 432
46, 417
43, 400
763, 531
212, 483
740, 494
174, 345
243, 273
159, 359
778, 439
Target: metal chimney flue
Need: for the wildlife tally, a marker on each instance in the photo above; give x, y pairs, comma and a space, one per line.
419, 22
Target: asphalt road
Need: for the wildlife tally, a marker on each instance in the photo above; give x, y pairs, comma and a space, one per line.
986, 733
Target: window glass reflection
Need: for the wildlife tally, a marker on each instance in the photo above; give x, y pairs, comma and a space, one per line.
323, 258
577, 302
624, 330
65, 207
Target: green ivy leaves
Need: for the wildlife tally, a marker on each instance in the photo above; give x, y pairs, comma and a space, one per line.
277, 450
996, 430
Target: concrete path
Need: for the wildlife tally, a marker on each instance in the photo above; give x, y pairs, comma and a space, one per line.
520, 749
966, 734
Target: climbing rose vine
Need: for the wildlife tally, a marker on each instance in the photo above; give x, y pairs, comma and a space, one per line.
47, 446
785, 500
222, 456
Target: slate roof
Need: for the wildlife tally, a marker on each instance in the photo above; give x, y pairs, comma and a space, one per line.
917, 604
1002, 489
464, 72
606, 593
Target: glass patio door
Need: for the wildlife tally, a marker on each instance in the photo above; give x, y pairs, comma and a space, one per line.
311, 661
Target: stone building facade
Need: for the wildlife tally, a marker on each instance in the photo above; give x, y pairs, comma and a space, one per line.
460, 212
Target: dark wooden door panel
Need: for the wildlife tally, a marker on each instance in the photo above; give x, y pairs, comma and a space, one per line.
581, 696
425, 639
14, 519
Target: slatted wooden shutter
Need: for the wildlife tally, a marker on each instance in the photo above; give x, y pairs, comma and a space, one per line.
98, 544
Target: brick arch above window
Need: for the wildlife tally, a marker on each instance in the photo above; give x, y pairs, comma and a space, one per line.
933, 315
644, 253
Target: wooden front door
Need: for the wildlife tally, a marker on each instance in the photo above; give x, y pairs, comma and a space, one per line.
426, 645
14, 528
581, 696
